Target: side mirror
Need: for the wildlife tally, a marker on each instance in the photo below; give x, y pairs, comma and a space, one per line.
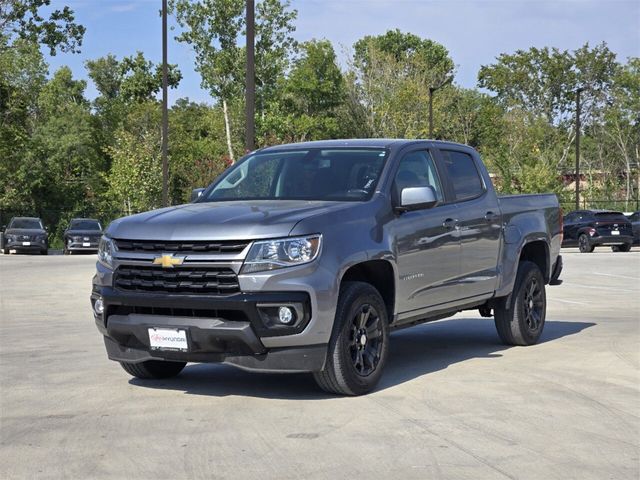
196, 193
417, 198
4, 227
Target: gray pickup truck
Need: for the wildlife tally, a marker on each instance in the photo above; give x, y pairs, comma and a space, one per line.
303, 257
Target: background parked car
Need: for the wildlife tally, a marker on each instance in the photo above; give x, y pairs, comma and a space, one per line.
634, 218
25, 234
83, 234
588, 229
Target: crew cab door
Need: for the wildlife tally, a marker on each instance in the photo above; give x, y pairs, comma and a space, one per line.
426, 243
479, 221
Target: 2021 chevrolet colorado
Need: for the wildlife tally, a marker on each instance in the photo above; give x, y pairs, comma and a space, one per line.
302, 258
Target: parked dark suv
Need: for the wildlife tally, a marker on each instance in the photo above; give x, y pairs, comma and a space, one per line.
588, 229
83, 234
634, 218
25, 234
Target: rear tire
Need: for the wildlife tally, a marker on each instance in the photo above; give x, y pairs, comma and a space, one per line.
521, 320
359, 344
584, 244
153, 369
5, 251
625, 247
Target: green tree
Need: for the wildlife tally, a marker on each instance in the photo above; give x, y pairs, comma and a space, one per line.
308, 107
197, 148
389, 80
213, 27
23, 19
135, 177
537, 88
543, 81
22, 78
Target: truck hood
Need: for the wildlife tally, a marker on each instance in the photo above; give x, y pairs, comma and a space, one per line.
237, 220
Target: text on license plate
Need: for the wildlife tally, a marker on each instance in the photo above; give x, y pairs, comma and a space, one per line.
615, 232
168, 338
86, 244
26, 244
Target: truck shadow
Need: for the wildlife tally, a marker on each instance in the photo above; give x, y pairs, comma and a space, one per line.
414, 352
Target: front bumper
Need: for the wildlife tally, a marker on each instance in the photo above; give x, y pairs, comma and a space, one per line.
228, 329
19, 245
82, 246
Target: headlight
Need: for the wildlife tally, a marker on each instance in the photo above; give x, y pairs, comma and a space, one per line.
106, 249
11, 238
282, 252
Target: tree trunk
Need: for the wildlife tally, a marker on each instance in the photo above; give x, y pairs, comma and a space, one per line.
227, 127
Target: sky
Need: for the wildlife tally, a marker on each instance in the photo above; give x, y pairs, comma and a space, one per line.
474, 31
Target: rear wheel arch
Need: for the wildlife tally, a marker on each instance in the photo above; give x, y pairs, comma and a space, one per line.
537, 251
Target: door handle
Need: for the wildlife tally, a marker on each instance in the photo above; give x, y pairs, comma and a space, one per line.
491, 217
450, 224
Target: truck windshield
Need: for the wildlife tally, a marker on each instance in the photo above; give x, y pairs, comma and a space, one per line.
338, 174
84, 225
26, 223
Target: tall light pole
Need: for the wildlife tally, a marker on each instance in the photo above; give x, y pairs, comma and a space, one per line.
431, 92
165, 113
250, 80
578, 91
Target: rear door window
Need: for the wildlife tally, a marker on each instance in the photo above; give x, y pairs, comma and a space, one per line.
463, 175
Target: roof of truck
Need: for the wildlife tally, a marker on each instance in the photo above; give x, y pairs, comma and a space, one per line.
355, 142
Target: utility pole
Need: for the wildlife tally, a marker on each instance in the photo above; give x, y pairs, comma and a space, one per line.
165, 113
250, 98
578, 91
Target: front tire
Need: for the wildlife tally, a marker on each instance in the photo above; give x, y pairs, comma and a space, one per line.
153, 369
359, 345
584, 244
521, 320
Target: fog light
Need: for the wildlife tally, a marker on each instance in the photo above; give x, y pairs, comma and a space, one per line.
98, 307
285, 315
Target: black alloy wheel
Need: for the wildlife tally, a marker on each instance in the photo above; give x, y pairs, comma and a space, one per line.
533, 304
366, 340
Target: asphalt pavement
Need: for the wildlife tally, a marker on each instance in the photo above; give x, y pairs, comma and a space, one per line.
453, 403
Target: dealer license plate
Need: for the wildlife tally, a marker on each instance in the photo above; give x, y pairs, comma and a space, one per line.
168, 339
26, 244
615, 232
86, 244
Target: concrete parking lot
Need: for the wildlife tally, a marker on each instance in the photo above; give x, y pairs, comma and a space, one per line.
454, 403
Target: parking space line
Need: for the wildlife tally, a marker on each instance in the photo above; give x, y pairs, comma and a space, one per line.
616, 276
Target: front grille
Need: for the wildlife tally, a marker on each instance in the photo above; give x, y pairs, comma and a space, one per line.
228, 246
232, 315
185, 280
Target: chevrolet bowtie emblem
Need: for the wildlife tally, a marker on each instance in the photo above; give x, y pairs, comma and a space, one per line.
168, 261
